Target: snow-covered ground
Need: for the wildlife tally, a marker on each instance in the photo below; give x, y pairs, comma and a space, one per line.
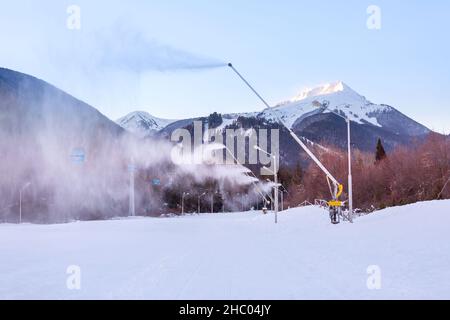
234, 256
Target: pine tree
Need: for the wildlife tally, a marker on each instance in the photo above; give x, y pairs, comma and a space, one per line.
214, 120
380, 154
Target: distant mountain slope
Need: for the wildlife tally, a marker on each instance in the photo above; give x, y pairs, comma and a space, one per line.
30, 104
143, 124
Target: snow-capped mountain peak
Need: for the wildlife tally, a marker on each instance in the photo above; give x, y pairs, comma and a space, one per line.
142, 123
337, 95
325, 89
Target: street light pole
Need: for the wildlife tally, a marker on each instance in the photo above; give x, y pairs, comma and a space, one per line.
20, 200
350, 178
199, 197
275, 178
132, 204
182, 201
275, 175
212, 202
20, 207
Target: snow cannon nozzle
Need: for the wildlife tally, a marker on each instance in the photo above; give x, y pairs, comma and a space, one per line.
230, 65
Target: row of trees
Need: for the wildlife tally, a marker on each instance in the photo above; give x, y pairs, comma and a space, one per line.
406, 175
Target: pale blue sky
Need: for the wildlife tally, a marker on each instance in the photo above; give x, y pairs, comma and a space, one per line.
281, 46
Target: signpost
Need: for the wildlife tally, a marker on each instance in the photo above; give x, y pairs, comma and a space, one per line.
78, 156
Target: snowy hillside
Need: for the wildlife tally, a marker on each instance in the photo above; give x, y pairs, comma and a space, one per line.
142, 123
341, 99
235, 256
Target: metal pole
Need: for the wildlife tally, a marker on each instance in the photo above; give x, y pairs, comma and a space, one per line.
212, 202
276, 188
132, 208
20, 200
182, 203
350, 178
282, 200
198, 210
20, 207
249, 85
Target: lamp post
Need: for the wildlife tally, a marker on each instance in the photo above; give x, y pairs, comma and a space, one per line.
244, 202
20, 200
131, 205
212, 202
199, 198
275, 178
282, 196
182, 201
280, 192
326, 106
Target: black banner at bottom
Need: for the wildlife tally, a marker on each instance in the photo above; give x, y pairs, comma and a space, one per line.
223, 309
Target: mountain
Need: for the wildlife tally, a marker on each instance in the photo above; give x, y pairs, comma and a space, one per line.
342, 99
143, 124
67, 155
29, 105
316, 115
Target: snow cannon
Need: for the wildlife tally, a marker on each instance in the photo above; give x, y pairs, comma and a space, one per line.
336, 189
336, 206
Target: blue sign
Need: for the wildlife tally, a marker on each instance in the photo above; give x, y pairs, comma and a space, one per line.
78, 156
156, 182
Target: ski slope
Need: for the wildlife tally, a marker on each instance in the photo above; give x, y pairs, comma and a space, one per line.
234, 256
